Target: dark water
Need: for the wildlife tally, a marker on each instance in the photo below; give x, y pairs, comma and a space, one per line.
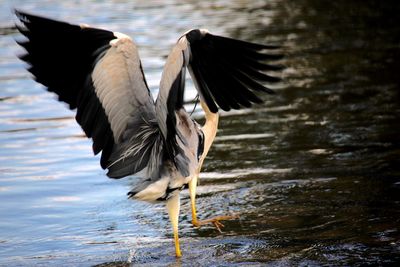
314, 171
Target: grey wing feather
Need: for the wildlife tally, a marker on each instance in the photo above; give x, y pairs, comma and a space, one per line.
169, 103
130, 109
99, 73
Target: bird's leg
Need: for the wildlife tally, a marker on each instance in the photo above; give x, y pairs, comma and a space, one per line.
173, 206
192, 193
215, 220
209, 130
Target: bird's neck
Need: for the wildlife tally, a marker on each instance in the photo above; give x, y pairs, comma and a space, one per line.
209, 129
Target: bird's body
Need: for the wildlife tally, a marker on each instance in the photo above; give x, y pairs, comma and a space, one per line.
99, 73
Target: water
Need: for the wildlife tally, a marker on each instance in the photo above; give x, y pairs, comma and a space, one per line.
314, 171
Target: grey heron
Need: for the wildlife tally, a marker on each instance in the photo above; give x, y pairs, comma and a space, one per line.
99, 74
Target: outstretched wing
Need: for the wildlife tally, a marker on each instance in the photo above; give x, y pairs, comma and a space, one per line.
226, 73
99, 73
169, 105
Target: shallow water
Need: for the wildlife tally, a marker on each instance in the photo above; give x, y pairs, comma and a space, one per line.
313, 172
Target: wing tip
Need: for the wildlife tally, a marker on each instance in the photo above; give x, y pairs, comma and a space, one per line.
269, 91
23, 16
18, 12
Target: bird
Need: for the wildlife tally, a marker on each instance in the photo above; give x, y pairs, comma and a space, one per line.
99, 74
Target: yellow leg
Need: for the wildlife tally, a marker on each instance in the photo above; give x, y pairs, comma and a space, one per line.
210, 130
192, 193
215, 220
173, 205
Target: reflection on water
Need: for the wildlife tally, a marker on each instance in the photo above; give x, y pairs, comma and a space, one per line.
313, 172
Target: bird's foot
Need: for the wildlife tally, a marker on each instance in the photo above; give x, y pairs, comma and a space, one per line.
215, 221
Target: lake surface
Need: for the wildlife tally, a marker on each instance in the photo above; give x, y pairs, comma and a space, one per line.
314, 172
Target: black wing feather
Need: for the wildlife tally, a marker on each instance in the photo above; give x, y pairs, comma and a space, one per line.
54, 48
212, 80
215, 79
61, 57
228, 70
203, 86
